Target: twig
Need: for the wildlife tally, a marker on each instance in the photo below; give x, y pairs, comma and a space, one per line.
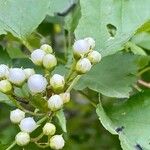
144, 83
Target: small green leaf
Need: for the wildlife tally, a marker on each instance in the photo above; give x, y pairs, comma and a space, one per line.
62, 119
39, 102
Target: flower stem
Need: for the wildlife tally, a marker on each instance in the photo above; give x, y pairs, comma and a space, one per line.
27, 45
11, 146
41, 120
73, 83
143, 71
17, 104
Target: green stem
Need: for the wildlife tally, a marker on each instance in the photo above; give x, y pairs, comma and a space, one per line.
17, 104
73, 83
27, 45
71, 70
37, 138
11, 146
143, 71
41, 120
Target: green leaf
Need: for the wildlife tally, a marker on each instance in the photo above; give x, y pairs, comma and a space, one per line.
62, 119
133, 115
72, 19
142, 39
39, 102
21, 17
58, 6
111, 22
5, 99
113, 76
4, 57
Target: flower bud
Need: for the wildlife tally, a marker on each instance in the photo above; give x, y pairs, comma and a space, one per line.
16, 76
17, 115
65, 97
22, 138
37, 84
90, 41
49, 61
49, 129
37, 56
29, 72
83, 66
47, 48
28, 125
3, 71
57, 82
57, 142
5, 86
55, 102
94, 57
80, 48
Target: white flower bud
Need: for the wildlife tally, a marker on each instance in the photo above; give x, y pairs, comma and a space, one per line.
47, 48
80, 48
29, 72
83, 66
57, 82
5, 86
49, 61
16, 76
16, 116
3, 71
22, 138
91, 42
28, 125
94, 57
49, 129
57, 142
37, 56
65, 97
37, 83
55, 102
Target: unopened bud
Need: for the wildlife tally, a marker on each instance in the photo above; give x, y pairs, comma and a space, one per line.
55, 102
83, 66
47, 48
91, 42
94, 57
57, 82
16, 116
57, 142
29, 72
49, 61
37, 83
37, 56
49, 129
16, 76
22, 138
28, 125
5, 86
65, 97
80, 48
3, 71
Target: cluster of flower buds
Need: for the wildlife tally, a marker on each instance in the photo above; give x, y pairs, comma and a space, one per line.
51, 86
86, 56
44, 57
28, 125
10, 77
